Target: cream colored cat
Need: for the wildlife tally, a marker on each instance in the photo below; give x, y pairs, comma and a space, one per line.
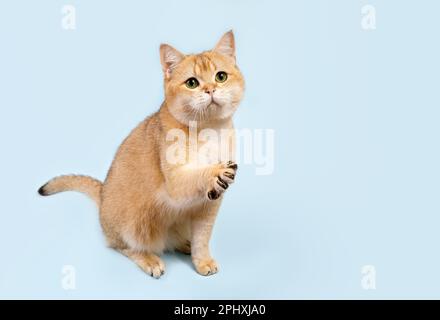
149, 204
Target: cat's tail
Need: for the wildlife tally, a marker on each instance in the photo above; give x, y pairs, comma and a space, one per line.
85, 184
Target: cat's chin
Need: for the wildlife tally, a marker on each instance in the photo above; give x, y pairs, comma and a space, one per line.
224, 112
213, 104
219, 112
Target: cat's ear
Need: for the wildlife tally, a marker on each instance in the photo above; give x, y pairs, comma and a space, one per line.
226, 45
169, 58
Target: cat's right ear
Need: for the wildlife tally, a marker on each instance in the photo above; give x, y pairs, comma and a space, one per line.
169, 58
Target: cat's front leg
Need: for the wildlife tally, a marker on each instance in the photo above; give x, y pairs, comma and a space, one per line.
148, 262
201, 229
183, 182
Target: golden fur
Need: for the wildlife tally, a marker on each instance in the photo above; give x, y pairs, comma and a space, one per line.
148, 204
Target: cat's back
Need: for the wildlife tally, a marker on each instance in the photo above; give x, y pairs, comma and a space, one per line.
137, 158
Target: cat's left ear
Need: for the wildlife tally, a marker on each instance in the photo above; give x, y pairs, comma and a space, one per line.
226, 45
169, 58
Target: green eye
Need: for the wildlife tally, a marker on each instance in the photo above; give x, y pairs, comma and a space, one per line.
221, 76
192, 83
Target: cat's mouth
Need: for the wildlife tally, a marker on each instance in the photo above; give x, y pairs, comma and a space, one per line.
213, 104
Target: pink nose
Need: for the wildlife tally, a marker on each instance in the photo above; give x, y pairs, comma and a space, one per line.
210, 91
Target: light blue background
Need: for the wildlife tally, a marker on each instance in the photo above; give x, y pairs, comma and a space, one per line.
356, 119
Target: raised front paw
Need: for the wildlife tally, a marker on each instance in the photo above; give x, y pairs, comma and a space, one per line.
205, 267
224, 176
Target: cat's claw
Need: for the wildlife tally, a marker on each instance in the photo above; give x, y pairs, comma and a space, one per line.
232, 165
213, 194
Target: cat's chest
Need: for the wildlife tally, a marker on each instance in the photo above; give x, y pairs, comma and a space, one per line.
210, 146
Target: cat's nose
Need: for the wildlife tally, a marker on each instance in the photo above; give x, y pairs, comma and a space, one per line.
210, 91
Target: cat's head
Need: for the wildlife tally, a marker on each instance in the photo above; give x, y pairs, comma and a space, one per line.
205, 86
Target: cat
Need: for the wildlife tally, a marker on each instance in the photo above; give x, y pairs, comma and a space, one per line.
149, 204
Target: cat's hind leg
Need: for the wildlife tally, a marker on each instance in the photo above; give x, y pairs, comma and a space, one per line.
179, 237
184, 247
